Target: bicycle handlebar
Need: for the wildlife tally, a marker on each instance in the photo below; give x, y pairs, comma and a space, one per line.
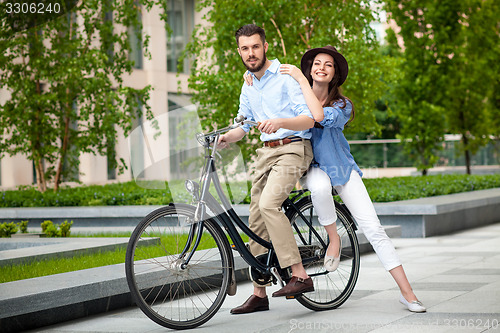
238, 121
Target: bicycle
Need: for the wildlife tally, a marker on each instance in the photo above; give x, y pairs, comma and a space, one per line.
180, 265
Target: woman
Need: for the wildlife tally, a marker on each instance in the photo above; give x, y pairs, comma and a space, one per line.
324, 70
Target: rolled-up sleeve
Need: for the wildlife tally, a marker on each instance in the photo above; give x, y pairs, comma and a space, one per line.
335, 116
245, 110
297, 100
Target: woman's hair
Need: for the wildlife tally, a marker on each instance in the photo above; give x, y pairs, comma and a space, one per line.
335, 93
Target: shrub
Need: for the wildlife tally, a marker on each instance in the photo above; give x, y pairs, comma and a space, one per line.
7, 229
54, 230
23, 227
65, 228
45, 224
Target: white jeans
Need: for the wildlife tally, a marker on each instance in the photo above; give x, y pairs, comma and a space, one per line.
357, 200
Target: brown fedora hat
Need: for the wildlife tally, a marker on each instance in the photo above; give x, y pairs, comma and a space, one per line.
308, 58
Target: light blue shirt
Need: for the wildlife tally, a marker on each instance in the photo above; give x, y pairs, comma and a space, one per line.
331, 149
275, 95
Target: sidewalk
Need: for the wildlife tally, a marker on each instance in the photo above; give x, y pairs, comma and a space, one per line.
456, 276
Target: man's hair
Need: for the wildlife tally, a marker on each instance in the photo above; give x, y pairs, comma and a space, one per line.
250, 30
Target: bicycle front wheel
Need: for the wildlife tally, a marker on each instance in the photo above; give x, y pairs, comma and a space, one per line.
172, 294
331, 289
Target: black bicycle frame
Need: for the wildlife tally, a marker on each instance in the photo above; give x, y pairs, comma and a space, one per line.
227, 216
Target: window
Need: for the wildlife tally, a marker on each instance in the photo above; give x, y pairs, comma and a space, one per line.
180, 17
111, 164
107, 33
135, 38
183, 125
137, 144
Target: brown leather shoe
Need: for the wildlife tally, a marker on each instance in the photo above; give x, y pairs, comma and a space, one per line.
252, 304
295, 287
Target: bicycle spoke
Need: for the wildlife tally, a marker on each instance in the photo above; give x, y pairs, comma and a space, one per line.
331, 288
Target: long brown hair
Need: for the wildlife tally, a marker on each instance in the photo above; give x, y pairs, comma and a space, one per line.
335, 93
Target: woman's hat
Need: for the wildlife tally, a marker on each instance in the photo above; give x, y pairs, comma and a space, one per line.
308, 58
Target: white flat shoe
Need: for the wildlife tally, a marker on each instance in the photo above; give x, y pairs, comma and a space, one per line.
331, 263
414, 306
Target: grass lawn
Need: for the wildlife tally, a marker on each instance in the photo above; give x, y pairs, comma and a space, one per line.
83, 261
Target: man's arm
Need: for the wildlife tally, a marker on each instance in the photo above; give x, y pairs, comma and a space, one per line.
299, 123
233, 135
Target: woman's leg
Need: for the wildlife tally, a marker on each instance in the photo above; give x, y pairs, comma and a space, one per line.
357, 200
398, 274
318, 183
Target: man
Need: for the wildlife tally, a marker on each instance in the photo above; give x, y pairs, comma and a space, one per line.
276, 101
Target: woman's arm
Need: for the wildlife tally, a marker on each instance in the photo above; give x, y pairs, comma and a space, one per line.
312, 102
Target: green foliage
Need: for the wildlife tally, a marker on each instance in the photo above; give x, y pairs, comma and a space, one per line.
54, 230
291, 27
450, 66
65, 228
67, 92
23, 227
406, 188
7, 229
45, 224
473, 69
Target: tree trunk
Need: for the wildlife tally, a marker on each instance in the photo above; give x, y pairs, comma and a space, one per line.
64, 149
465, 141
467, 161
40, 176
424, 172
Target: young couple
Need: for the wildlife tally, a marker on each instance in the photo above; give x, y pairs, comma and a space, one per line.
302, 112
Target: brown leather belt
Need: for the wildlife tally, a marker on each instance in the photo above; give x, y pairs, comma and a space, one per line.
281, 142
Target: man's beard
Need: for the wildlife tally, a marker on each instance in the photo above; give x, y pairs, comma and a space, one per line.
259, 65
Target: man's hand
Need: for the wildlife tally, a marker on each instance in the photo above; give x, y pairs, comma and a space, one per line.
232, 136
222, 143
270, 126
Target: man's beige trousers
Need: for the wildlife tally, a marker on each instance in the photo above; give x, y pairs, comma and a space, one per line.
277, 171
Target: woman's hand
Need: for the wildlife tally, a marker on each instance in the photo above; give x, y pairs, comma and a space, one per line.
248, 78
293, 71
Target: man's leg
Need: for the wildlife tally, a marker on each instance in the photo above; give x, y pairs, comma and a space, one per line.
258, 301
288, 164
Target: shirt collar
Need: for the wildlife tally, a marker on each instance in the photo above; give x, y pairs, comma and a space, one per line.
275, 66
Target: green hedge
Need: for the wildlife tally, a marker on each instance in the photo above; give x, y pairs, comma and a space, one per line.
380, 189
405, 188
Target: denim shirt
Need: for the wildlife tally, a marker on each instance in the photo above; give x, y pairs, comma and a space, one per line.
331, 150
275, 95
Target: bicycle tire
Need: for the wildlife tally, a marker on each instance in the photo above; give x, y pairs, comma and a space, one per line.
172, 296
332, 289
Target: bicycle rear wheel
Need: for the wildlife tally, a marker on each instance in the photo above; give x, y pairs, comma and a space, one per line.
172, 295
331, 289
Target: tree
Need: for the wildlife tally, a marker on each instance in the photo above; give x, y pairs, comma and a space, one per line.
449, 63
473, 76
420, 90
67, 92
291, 27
